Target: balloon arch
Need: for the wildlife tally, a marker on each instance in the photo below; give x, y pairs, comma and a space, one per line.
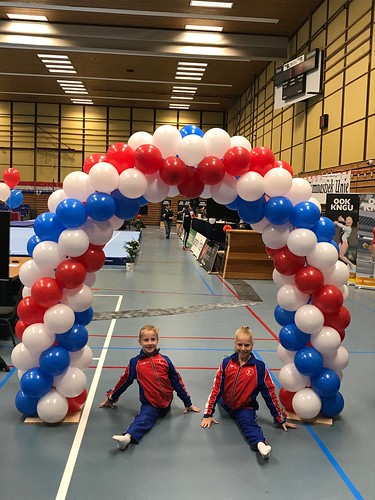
67, 250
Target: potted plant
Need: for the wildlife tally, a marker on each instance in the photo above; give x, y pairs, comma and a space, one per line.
137, 223
132, 249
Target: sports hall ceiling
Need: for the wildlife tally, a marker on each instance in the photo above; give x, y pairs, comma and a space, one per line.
127, 52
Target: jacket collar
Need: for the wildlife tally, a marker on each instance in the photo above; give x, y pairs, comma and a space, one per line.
142, 354
250, 361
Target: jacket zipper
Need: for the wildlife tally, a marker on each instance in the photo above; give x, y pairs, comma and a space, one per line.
234, 386
158, 379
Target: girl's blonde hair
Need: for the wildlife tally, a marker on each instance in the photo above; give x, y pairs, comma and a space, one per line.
244, 330
149, 327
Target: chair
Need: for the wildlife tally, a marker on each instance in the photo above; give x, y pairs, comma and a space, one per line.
8, 319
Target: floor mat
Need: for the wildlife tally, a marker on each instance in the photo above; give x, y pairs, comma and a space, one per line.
244, 290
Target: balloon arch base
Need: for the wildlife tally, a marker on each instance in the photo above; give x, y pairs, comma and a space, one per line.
317, 420
70, 418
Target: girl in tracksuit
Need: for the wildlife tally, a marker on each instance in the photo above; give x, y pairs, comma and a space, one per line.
238, 381
157, 379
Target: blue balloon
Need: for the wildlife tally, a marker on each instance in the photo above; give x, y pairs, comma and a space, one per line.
84, 317
54, 360
251, 211
308, 361
234, 205
26, 405
333, 242
48, 227
32, 243
100, 206
71, 213
191, 129
282, 316
126, 208
35, 383
325, 230
292, 339
333, 406
74, 339
305, 215
278, 210
142, 201
15, 199
326, 383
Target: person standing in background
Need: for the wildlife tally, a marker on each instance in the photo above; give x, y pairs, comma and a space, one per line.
167, 218
187, 215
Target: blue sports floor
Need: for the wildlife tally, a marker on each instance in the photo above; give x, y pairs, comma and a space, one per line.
178, 459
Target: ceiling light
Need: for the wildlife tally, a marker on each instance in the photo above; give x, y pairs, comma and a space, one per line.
72, 71
75, 91
26, 17
176, 106
187, 73
183, 91
185, 88
215, 5
62, 65
81, 101
191, 70
198, 27
52, 56
188, 78
55, 61
184, 63
188, 98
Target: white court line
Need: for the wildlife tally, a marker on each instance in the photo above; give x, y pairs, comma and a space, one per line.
70, 464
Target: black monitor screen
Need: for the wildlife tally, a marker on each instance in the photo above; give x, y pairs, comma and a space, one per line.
216, 211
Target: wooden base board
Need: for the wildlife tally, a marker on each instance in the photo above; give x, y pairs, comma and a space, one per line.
317, 420
72, 418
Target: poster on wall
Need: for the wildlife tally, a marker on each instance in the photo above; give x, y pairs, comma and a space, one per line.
365, 277
343, 210
324, 184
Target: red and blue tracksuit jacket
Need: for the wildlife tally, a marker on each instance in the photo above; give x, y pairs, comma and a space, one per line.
238, 387
156, 377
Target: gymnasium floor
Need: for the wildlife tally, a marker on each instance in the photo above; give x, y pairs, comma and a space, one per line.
178, 460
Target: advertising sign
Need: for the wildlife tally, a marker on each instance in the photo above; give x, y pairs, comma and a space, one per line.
366, 242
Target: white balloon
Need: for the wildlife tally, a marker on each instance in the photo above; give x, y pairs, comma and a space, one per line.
225, 191
277, 182
217, 142
166, 138
21, 372
132, 183
306, 403
138, 139
73, 242
37, 338
326, 341
276, 236
77, 185
301, 241
71, 383
116, 222
99, 232
4, 191
48, 255
191, 149
29, 273
79, 300
345, 291
174, 191
23, 359
240, 141
282, 279
250, 186
259, 226
82, 358
300, 191
337, 361
55, 198
103, 177
90, 279
337, 275
206, 192
291, 379
157, 190
284, 355
323, 256
290, 298
52, 407
26, 291
309, 319
316, 202
59, 318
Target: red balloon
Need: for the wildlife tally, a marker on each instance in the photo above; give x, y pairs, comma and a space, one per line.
274, 251
172, 171
93, 259
282, 164
29, 311
70, 274
342, 334
339, 320
309, 279
286, 398
75, 404
20, 328
46, 292
261, 159
148, 159
211, 170
192, 186
287, 263
11, 177
121, 156
328, 299
237, 161
226, 227
91, 161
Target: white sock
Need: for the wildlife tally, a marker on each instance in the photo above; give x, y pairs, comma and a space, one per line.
122, 441
264, 449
